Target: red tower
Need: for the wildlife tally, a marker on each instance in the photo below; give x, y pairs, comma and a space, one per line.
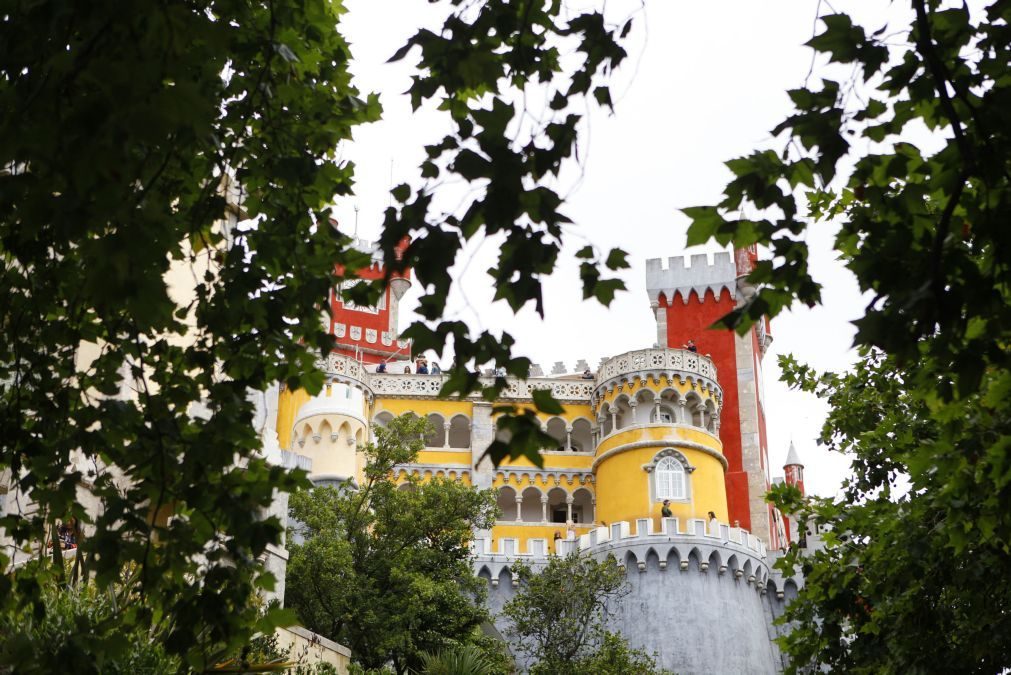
794, 469
687, 300
370, 334
794, 472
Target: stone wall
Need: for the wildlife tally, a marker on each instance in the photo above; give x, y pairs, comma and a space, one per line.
701, 601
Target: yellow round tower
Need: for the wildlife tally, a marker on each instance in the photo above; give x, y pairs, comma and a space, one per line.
658, 416
325, 431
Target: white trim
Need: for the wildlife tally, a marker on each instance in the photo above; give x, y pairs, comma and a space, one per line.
669, 443
676, 425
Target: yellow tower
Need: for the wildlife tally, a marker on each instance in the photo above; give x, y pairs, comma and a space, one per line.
328, 429
657, 416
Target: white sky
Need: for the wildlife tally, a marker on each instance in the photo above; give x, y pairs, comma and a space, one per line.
709, 83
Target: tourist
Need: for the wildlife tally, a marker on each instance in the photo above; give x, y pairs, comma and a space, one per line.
381, 368
587, 374
665, 511
714, 525
422, 368
436, 370
691, 346
407, 370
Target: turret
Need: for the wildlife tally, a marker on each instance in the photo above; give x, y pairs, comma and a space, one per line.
794, 469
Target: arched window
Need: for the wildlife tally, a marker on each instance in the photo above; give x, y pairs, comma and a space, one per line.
670, 479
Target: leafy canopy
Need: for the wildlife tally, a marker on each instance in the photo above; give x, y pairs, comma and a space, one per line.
559, 614
384, 569
910, 153
164, 174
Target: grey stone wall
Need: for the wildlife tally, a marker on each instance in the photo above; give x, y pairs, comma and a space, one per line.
700, 603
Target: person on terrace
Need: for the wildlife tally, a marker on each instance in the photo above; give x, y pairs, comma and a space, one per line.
665, 512
691, 346
587, 374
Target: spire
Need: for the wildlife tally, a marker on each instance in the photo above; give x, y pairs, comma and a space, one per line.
792, 458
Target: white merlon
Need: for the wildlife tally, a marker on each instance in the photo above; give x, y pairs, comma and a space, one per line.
700, 276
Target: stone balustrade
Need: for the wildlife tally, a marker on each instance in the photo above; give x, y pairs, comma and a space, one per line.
680, 361
657, 359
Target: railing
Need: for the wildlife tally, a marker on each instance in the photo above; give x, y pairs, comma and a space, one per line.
657, 359
293, 460
430, 385
335, 364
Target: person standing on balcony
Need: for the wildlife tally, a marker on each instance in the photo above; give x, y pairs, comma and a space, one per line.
691, 346
665, 512
714, 525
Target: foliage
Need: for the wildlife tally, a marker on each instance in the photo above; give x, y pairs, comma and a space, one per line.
508, 155
76, 630
558, 614
889, 594
265, 654
386, 571
463, 660
615, 657
128, 140
923, 215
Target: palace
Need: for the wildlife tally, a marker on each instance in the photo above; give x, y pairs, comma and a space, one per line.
655, 424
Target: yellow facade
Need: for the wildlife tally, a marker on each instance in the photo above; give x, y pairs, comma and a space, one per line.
624, 443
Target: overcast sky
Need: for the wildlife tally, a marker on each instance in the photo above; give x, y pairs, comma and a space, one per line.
705, 82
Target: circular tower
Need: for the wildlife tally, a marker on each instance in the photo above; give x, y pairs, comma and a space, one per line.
658, 415
324, 432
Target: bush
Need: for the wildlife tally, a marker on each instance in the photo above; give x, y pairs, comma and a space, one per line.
76, 630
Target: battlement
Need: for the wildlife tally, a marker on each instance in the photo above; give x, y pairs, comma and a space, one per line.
730, 551
617, 532
699, 276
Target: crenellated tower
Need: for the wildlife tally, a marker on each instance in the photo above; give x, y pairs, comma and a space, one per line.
687, 297
369, 334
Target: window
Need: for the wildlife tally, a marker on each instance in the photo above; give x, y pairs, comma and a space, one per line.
670, 479
665, 418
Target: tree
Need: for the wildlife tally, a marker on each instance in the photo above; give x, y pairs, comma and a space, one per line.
902, 587
888, 594
132, 144
559, 616
386, 570
78, 631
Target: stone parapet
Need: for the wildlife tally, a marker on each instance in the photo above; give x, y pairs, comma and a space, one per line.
657, 362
